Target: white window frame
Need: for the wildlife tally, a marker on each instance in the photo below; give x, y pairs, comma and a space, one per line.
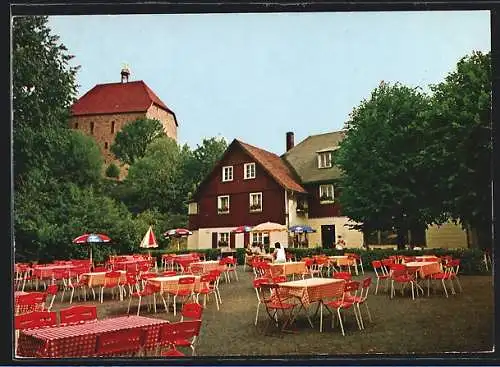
229, 176
252, 194
258, 237
223, 237
219, 204
328, 188
324, 159
251, 168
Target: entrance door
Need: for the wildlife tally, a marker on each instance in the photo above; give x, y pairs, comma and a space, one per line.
328, 236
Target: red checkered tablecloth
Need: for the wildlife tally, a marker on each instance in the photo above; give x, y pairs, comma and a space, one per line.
288, 268
170, 283
45, 272
424, 268
96, 279
209, 265
81, 340
19, 309
313, 289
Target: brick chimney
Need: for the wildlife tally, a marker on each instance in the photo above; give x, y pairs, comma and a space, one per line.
125, 73
289, 140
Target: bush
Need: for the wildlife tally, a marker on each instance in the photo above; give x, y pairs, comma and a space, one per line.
113, 171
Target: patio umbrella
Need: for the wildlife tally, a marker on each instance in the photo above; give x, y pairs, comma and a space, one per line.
178, 233
242, 229
269, 227
91, 238
149, 240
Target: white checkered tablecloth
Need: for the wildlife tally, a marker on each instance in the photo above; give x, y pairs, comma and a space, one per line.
81, 340
288, 268
96, 279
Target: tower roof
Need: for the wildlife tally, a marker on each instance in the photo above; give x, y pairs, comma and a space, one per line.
111, 98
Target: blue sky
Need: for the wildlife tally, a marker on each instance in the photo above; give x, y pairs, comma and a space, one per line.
256, 76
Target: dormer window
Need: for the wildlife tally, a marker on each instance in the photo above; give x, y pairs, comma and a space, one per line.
249, 170
324, 159
326, 194
227, 173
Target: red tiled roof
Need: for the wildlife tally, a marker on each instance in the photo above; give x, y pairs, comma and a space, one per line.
133, 96
274, 165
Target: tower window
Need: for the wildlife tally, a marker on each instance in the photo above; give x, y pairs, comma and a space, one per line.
106, 145
112, 127
91, 128
76, 125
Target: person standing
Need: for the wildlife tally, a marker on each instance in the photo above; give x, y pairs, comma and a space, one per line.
340, 245
279, 253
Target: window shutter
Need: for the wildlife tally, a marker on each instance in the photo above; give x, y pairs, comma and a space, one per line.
232, 240
214, 239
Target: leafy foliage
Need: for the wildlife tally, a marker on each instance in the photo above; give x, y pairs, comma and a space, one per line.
43, 88
113, 171
132, 141
459, 141
383, 159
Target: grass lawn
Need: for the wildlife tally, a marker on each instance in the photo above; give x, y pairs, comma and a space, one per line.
434, 324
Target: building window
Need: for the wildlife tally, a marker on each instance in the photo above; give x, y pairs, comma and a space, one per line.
326, 193
324, 160
260, 238
76, 125
249, 169
223, 204
223, 239
91, 128
227, 173
112, 127
106, 145
193, 208
256, 202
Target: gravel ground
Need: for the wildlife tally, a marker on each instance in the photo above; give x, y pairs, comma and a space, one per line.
434, 324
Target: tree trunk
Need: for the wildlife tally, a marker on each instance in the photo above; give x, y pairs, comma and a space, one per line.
401, 239
473, 236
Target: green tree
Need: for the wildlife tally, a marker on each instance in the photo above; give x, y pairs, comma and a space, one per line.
460, 146
113, 171
156, 181
385, 185
43, 89
203, 159
131, 142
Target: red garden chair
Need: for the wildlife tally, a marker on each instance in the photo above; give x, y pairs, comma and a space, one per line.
130, 282
120, 342
33, 301
169, 273
184, 291
207, 287
231, 268
193, 311
362, 299
216, 273
381, 274
342, 275
400, 274
78, 314
344, 303
150, 290
33, 320
61, 277
179, 334
261, 297
275, 305
51, 291
111, 281
196, 269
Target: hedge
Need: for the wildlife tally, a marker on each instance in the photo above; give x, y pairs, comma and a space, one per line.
471, 259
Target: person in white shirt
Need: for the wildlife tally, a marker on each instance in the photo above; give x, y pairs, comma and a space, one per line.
340, 245
279, 253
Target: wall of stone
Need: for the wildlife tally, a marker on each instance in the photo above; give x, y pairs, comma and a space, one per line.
166, 118
107, 126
